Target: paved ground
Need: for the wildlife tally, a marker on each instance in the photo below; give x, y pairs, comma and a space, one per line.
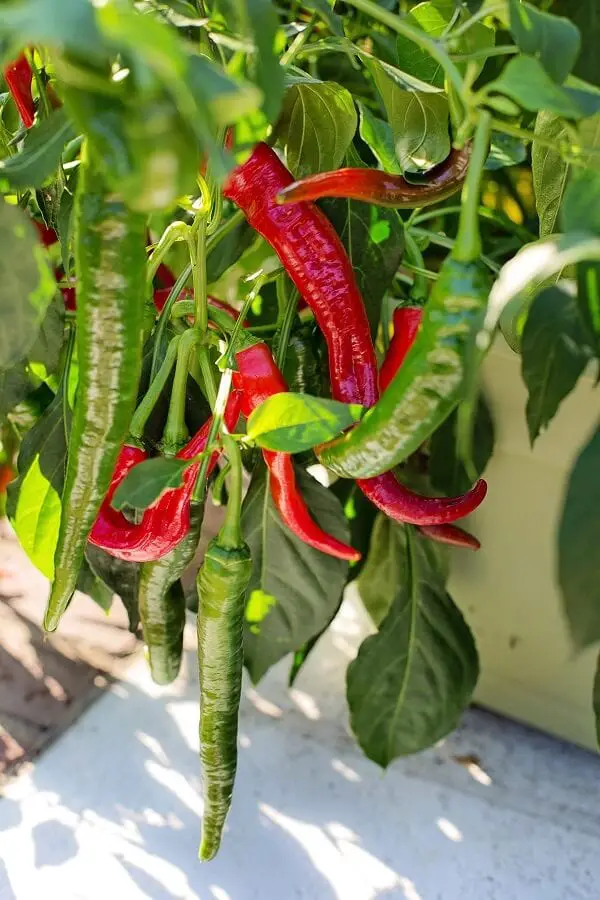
497, 812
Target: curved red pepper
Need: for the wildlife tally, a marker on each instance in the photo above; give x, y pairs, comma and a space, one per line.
314, 257
166, 523
407, 320
19, 77
382, 188
451, 535
258, 378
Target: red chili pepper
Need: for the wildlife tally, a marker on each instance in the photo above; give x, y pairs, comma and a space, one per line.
48, 236
258, 378
166, 523
407, 320
6, 476
381, 188
451, 535
165, 276
19, 76
314, 257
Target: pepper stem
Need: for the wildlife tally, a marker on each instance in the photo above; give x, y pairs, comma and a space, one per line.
420, 288
230, 536
468, 240
144, 410
176, 433
217, 419
288, 304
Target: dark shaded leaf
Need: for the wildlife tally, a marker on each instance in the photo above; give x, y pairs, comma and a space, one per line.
89, 583
317, 123
412, 680
505, 151
295, 590
27, 285
121, 577
144, 484
378, 136
446, 469
554, 40
40, 154
15, 386
526, 82
578, 542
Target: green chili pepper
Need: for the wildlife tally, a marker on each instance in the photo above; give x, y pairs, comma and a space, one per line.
222, 584
432, 380
162, 603
110, 260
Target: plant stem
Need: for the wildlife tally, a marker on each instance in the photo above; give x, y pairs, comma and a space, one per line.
165, 317
198, 258
468, 240
231, 532
176, 433
176, 231
420, 287
449, 243
144, 410
215, 425
299, 41
482, 13
484, 213
287, 314
399, 25
501, 50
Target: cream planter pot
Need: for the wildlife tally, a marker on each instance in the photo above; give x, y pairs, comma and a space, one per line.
508, 590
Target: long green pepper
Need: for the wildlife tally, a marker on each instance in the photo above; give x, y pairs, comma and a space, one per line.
222, 584
110, 260
161, 602
431, 381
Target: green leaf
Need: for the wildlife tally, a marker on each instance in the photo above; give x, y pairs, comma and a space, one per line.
589, 133
49, 342
419, 122
324, 9
554, 40
434, 18
374, 240
316, 126
360, 515
581, 211
526, 82
15, 386
378, 136
385, 569
89, 583
578, 542
596, 699
412, 680
34, 498
521, 278
27, 285
68, 24
554, 355
146, 482
228, 100
293, 423
41, 152
258, 21
295, 589
446, 468
121, 577
505, 151
549, 171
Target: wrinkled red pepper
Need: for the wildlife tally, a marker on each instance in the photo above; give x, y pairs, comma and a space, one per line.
382, 188
316, 261
19, 77
258, 378
166, 523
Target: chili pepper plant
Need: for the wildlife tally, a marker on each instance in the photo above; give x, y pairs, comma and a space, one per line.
254, 256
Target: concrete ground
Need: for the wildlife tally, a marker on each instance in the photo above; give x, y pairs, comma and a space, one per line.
496, 812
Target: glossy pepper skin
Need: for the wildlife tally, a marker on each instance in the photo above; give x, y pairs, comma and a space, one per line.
258, 378
166, 523
382, 188
161, 602
317, 262
312, 254
222, 583
110, 261
19, 77
429, 384
407, 321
